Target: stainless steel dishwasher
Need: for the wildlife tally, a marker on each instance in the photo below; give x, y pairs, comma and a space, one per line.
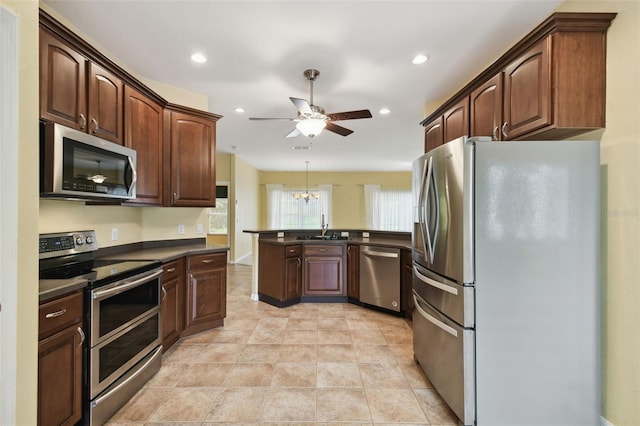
380, 277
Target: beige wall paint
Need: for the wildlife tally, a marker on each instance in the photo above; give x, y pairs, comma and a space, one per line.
620, 220
26, 246
244, 201
348, 192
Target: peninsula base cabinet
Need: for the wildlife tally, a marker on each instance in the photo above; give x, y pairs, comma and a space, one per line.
324, 271
280, 272
353, 272
206, 294
173, 302
60, 348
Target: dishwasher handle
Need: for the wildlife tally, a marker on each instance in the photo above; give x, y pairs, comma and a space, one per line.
375, 253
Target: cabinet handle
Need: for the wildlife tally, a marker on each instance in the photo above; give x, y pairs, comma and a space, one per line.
299, 263
95, 125
81, 333
164, 294
171, 269
174, 197
291, 250
504, 130
56, 314
495, 133
207, 260
349, 250
323, 250
84, 122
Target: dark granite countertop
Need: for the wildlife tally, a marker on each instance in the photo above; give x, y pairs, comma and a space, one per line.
164, 251
373, 241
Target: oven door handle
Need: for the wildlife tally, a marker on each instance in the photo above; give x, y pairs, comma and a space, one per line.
108, 394
126, 285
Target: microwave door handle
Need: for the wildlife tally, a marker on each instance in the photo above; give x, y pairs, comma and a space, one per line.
134, 177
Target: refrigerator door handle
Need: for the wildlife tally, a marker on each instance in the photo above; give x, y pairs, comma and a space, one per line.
424, 220
444, 327
434, 283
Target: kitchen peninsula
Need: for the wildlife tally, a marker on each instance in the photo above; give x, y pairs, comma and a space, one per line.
293, 266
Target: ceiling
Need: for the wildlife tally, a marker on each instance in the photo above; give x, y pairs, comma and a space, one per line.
257, 52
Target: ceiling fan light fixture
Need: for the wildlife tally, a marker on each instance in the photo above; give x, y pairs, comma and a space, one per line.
311, 127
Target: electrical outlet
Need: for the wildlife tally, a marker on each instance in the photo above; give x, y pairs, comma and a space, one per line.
198, 228
365, 235
114, 234
180, 229
344, 234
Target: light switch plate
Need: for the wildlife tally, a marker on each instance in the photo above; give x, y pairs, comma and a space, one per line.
365, 235
180, 229
344, 234
198, 228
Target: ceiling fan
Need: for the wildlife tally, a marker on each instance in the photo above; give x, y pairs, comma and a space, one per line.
312, 118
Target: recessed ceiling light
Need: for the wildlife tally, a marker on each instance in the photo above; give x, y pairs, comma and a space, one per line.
198, 58
384, 111
239, 110
419, 59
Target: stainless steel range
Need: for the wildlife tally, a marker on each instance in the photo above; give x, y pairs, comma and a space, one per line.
122, 317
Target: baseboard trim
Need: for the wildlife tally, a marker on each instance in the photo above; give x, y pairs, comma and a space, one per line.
243, 260
605, 422
255, 297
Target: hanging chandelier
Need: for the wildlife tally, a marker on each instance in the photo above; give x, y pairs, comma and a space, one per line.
306, 196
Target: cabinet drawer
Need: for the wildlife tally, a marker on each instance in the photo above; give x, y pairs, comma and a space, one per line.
172, 270
323, 250
293, 251
59, 314
207, 261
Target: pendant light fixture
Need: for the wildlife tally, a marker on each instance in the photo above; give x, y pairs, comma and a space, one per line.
306, 196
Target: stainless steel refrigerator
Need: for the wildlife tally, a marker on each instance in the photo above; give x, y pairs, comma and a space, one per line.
506, 279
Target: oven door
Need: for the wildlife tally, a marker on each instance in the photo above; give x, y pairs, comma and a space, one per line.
116, 306
116, 355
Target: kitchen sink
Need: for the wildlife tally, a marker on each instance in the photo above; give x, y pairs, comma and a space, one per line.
320, 237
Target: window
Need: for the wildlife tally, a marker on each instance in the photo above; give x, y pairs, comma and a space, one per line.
287, 212
218, 215
387, 210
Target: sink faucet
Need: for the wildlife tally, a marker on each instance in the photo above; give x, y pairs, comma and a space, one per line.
323, 227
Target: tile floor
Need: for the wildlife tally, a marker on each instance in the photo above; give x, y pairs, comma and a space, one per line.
308, 364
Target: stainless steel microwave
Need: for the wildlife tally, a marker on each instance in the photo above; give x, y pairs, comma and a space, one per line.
78, 165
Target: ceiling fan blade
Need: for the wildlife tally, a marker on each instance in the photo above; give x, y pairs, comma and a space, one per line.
338, 129
302, 105
292, 134
350, 115
271, 118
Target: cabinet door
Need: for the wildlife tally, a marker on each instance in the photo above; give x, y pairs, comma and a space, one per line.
206, 292
63, 93
60, 378
455, 121
323, 276
143, 132
433, 135
353, 271
105, 104
193, 179
293, 277
527, 92
486, 109
172, 309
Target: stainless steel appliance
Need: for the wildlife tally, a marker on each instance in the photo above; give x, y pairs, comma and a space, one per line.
380, 277
122, 319
78, 165
506, 279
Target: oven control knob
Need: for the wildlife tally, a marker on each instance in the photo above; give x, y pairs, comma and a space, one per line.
89, 240
79, 241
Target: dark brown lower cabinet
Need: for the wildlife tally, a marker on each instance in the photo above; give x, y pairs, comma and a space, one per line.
173, 305
324, 270
353, 272
206, 295
60, 351
280, 272
406, 282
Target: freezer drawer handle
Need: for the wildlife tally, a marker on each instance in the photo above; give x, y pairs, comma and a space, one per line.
452, 331
434, 283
